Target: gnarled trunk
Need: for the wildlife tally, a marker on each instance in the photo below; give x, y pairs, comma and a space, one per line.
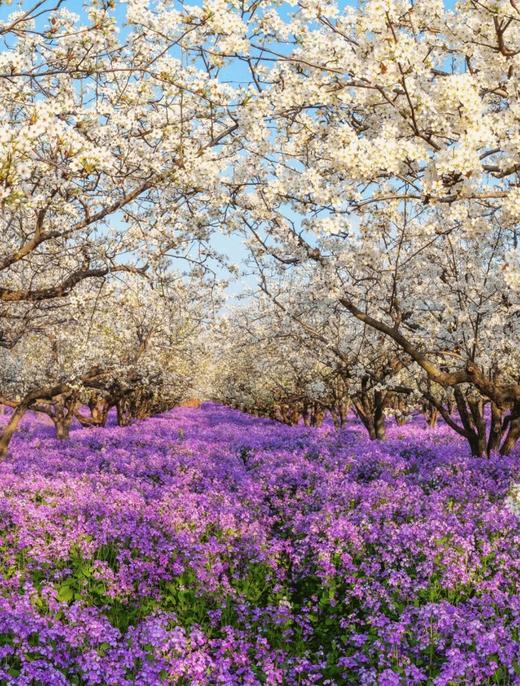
512, 425
496, 429
317, 416
370, 410
483, 437
431, 414
343, 410
124, 415
10, 428
99, 409
62, 414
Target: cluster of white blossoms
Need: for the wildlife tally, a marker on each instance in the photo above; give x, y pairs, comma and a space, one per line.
331, 224
512, 269
510, 205
12, 61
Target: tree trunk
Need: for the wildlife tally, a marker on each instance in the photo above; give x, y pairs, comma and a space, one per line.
62, 413
369, 425
124, 417
343, 413
513, 433
481, 438
317, 416
12, 425
62, 427
371, 413
496, 429
471, 414
479, 422
379, 415
431, 414
294, 416
99, 409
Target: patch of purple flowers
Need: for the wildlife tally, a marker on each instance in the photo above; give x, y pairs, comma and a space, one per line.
206, 547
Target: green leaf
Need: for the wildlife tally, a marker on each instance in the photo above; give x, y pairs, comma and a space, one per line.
65, 593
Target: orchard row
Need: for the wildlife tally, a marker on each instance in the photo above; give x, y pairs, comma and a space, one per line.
368, 158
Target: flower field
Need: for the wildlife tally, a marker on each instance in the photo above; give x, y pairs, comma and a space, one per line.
204, 546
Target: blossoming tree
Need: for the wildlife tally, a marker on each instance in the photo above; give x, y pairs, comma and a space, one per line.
133, 345
111, 152
390, 167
